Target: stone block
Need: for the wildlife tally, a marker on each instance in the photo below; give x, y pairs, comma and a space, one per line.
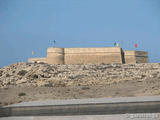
55, 56
93, 55
37, 60
135, 57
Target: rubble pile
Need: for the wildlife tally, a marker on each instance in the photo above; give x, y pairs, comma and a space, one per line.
41, 74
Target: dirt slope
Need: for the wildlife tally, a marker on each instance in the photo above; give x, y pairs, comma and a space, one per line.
33, 81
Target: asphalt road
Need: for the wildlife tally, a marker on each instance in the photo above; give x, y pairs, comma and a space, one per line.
144, 116
126, 108
89, 101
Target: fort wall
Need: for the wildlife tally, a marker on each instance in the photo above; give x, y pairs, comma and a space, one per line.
55, 56
37, 60
135, 57
106, 55
92, 55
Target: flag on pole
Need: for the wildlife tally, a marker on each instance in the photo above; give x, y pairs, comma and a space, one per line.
32, 52
54, 42
117, 44
136, 45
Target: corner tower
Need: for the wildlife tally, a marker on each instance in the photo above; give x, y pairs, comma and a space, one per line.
55, 56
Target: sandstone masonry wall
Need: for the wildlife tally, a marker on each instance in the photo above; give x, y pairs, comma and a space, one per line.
92, 55
55, 56
135, 57
37, 60
106, 55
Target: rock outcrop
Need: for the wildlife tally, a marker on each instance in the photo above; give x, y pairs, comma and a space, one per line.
41, 74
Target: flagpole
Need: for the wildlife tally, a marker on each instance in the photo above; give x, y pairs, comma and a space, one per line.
54, 42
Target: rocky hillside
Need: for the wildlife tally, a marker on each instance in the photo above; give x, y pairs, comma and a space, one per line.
40, 74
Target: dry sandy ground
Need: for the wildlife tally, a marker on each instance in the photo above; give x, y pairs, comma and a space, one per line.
14, 94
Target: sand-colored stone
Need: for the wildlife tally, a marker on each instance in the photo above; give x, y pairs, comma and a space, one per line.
37, 60
93, 55
55, 56
93, 50
135, 57
106, 55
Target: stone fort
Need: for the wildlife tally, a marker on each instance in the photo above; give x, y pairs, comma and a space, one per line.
106, 55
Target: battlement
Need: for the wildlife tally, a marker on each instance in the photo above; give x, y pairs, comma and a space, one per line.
106, 55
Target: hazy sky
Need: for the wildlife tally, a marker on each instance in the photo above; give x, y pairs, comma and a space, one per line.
27, 25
